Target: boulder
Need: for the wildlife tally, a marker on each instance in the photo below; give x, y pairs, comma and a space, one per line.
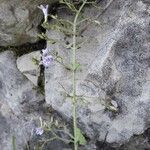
22, 107
113, 83
19, 103
16, 89
28, 64
19, 21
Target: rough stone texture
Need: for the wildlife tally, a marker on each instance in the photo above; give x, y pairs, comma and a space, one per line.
27, 65
140, 142
19, 20
21, 107
15, 88
19, 102
115, 65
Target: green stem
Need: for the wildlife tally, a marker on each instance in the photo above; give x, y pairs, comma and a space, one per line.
74, 76
14, 142
74, 86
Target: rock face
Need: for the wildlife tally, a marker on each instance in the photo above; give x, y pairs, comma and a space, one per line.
115, 68
113, 82
19, 102
32, 70
16, 88
19, 21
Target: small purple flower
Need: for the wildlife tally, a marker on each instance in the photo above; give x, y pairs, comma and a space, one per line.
39, 131
47, 60
45, 11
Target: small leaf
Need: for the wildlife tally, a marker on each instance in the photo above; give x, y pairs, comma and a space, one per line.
112, 108
51, 41
35, 61
54, 17
77, 65
80, 137
59, 59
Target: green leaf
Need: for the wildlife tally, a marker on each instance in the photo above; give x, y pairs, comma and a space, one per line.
35, 61
112, 108
51, 41
77, 65
80, 137
59, 59
54, 17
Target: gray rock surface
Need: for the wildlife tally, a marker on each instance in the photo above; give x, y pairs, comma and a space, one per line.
19, 104
16, 89
19, 21
27, 65
140, 142
115, 66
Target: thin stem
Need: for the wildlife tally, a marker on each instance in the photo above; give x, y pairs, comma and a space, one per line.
74, 85
56, 137
46, 141
97, 16
86, 19
14, 142
62, 139
74, 75
67, 21
70, 135
63, 65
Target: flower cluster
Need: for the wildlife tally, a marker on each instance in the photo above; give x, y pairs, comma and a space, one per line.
46, 58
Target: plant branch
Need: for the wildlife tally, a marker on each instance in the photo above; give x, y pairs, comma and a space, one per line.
74, 75
103, 11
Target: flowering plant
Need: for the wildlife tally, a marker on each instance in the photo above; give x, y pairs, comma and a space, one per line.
69, 28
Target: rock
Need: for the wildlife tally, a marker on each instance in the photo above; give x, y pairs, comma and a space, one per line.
10, 127
19, 104
140, 142
16, 89
54, 145
115, 66
27, 65
21, 107
19, 23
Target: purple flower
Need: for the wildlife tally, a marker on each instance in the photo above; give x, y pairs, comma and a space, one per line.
39, 131
47, 60
45, 11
